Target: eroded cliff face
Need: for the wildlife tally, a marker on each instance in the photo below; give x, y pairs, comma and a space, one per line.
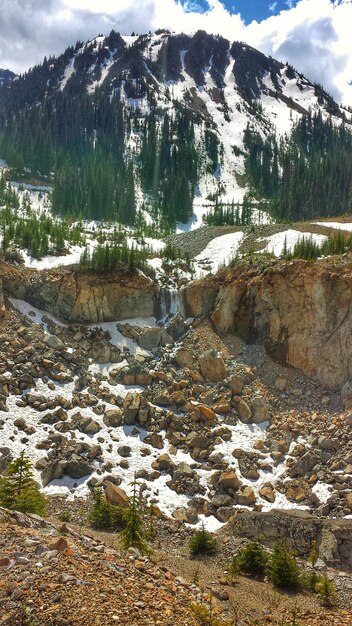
84, 297
300, 311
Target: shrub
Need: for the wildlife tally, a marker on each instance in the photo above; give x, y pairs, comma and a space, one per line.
18, 489
103, 515
202, 542
283, 568
327, 591
252, 560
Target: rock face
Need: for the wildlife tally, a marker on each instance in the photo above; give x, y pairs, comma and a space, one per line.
301, 312
300, 529
84, 297
198, 298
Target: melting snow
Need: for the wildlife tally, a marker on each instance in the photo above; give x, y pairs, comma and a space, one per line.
276, 242
217, 253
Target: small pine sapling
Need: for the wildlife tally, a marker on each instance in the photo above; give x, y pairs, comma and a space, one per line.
252, 560
327, 591
283, 568
133, 535
18, 489
202, 542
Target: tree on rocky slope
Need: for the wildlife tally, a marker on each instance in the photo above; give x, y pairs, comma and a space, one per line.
133, 535
19, 490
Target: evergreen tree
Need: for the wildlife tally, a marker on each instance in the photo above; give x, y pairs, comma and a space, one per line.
252, 560
19, 490
283, 568
202, 542
133, 535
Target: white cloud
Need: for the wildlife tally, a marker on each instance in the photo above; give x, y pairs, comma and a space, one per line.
314, 35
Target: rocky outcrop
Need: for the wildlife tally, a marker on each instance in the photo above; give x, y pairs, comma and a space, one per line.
333, 538
198, 298
84, 297
300, 311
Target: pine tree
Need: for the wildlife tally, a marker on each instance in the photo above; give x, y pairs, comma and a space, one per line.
19, 490
252, 560
202, 542
133, 535
283, 568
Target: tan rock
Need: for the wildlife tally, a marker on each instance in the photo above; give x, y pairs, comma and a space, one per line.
267, 492
117, 496
206, 412
61, 544
212, 366
246, 496
229, 480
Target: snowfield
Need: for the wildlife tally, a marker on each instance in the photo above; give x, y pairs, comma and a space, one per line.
218, 252
276, 243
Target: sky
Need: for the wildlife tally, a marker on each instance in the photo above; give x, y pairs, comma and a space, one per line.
313, 35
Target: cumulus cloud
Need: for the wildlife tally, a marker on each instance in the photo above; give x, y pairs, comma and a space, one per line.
315, 38
313, 35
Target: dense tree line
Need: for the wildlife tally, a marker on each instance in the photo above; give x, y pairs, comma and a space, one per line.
230, 214
306, 175
22, 228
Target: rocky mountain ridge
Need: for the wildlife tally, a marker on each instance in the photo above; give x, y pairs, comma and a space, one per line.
219, 87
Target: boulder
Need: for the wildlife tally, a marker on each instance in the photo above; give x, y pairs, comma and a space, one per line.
260, 410
246, 496
117, 496
76, 467
113, 418
150, 338
244, 412
185, 358
304, 464
130, 408
236, 384
212, 366
267, 493
228, 480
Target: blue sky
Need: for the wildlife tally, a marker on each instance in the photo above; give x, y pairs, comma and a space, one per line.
249, 9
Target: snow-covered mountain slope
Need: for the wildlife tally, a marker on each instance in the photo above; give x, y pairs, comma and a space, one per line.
225, 86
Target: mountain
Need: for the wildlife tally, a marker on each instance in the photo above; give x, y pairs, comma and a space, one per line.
170, 125
6, 77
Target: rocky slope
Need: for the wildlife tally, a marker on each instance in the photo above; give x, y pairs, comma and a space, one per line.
62, 574
208, 424
300, 311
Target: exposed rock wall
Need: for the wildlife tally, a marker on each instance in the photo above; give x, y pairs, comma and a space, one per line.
85, 297
301, 530
300, 311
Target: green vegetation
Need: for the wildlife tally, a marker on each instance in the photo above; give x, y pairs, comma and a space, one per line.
101, 151
202, 543
307, 248
21, 228
18, 489
326, 590
103, 515
134, 535
305, 175
283, 568
252, 560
